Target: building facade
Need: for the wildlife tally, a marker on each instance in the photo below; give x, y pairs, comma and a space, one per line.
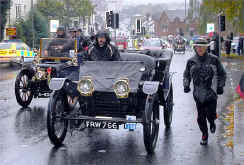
172, 26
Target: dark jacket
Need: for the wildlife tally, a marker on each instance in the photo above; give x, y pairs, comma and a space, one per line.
202, 71
106, 53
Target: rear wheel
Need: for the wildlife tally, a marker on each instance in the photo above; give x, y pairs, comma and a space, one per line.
56, 126
151, 123
23, 92
168, 109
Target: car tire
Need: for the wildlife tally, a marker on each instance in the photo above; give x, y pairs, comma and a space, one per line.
57, 105
168, 109
150, 129
23, 92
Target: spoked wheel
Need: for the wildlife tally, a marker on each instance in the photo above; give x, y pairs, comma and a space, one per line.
23, 91
56, 126
168, 109
151, 123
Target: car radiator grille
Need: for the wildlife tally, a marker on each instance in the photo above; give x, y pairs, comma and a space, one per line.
107, 104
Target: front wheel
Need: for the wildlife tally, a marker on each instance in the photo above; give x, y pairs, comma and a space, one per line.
151, 123
23, 92
56, 126
168, 109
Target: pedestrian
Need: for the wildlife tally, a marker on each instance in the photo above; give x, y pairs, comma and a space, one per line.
240, 87
228, 45
240, 46
201, 69
102, 50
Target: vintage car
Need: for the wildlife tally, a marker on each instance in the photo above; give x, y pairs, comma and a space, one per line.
32, 80
179, 46
113, 94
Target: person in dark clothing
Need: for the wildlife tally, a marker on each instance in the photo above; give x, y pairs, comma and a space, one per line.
102, 50
83, 42
60, 32
202, 68
228, 45
240, 46
59, 46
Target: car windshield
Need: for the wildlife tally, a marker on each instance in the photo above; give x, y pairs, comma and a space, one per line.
5, 45
57, 47
155, 43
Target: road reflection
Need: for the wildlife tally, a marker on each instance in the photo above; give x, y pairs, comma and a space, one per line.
30, 124
7, 72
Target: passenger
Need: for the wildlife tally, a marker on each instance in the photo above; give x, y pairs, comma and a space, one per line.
83, 42
201, 69
102, 50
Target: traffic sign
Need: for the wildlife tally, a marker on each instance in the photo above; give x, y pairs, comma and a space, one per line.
54, 25
210, 27
11, 31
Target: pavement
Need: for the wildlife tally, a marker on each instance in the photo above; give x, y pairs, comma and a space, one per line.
236, 69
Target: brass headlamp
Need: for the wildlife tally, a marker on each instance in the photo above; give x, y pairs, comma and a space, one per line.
121, 88
85, 86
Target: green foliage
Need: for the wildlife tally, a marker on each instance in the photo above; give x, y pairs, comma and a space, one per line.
51, 8
232, 9
63, 10
5, 5
24, 28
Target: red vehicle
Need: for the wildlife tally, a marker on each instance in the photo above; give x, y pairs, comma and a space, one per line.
121, 43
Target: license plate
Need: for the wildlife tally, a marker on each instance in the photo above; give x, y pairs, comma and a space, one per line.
130, 126
102, 124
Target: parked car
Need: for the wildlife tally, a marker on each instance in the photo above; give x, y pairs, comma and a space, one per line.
111, 94
55, 58
15, 52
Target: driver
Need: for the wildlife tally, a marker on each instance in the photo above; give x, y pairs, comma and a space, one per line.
201, 69
102, 50
59, 47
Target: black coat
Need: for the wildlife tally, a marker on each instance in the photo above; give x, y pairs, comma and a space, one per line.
202, 71
105, 53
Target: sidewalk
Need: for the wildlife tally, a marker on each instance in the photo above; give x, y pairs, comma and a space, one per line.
238, 138
232, 56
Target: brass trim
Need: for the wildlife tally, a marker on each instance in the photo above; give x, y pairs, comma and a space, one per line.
126, 94
86, 78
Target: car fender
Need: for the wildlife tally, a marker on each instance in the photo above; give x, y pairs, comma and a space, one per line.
57, 83
150, 87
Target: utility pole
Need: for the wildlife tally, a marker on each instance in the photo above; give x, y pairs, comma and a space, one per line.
32, 22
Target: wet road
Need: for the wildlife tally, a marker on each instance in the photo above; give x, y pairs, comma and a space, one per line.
23, 134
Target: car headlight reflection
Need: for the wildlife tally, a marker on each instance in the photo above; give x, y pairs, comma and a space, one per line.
121, 88
85, 86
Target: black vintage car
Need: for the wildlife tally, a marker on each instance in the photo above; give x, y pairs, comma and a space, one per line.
113, 94
179, 46
32, 80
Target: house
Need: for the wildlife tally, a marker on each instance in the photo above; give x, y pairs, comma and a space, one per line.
171, 24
